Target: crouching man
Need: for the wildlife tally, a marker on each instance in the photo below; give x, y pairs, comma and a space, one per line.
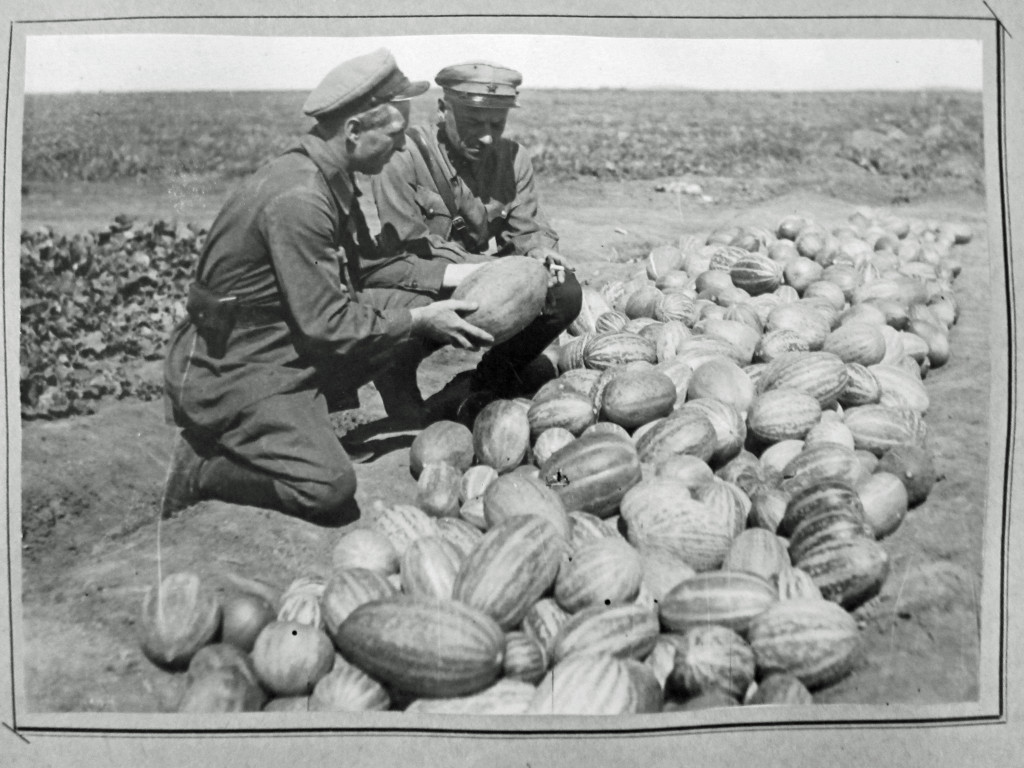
280, 330
454, 189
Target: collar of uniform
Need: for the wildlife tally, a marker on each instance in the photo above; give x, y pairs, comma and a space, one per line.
338, 178
457, 164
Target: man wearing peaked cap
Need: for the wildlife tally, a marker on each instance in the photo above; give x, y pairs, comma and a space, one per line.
443, 200
280, 327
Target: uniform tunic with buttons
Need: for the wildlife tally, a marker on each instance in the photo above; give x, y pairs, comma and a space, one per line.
273, 245
496, 196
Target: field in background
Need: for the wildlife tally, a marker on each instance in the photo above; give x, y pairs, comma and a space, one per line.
98, 299
920, 142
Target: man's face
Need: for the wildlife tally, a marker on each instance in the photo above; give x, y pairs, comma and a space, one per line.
373, 147
472, 131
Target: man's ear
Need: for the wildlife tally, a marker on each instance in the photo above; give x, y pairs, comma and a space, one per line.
442, 108
352, 128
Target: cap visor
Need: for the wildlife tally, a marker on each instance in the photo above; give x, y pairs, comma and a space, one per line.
412, 90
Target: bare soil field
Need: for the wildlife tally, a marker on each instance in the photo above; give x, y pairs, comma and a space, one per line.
91, 541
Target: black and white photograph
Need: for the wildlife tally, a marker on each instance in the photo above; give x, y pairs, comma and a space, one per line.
510, 386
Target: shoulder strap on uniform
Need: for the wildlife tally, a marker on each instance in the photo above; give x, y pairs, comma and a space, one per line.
444, 187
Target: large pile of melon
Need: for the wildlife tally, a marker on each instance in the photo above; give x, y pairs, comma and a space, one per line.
685, 516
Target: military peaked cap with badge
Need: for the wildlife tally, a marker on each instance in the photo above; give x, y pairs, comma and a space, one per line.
360, 84
480, 84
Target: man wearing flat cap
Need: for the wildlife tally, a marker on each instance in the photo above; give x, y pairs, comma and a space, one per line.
280, 327
442, 200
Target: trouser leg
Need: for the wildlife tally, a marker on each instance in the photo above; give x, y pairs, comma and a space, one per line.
397, 383
282, 454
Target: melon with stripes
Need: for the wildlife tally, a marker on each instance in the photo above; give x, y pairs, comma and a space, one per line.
847, 571
756, 274
782, 413
593, 473
618, 348
711, 658
568, 410
820, 374
525, 658
511, 567
877, 428
501, 435
683, 433
427, 647
347, 589
625, 631
660, 515
429, 567
597, 684
730, 599
816, 641
518, 495
603, 572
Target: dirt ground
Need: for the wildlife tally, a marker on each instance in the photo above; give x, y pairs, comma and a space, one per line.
92, 542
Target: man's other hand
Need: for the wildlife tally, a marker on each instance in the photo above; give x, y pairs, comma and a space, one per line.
442, 322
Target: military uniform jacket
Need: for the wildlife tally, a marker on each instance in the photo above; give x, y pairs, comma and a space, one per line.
273, 245
496, 197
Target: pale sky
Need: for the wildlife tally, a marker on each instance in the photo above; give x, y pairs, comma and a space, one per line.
138, 62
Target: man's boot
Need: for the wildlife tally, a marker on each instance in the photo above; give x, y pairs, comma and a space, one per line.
181, 488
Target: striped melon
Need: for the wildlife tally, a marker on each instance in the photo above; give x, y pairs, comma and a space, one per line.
900, 389
618, 348
525, 658
597, 684
856, 342
782, 413
862, 388
517, 495
543, 621
877, 428
429, 567
348, 589
756, 274
424, 647
730, 426
346, 688
730, 599
569, 410
610, 322
511, 567
759, 552
711, 658
814, 640
684, 432
819, 374
625, 631
501, 435
402, 524
593, 473
723, 380
847, 571
660, 515
607, 571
